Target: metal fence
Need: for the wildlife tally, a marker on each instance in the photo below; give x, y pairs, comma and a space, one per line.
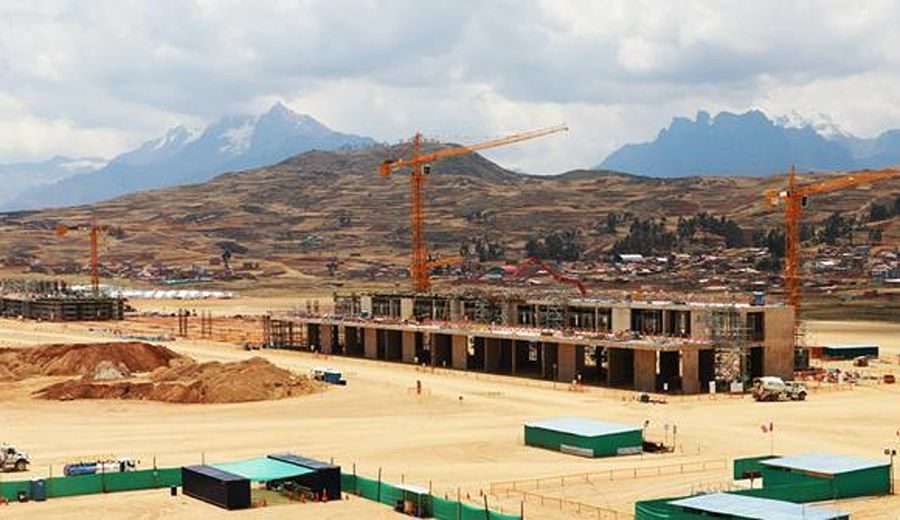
611, 474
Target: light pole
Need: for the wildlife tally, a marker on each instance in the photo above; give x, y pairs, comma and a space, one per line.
890, 452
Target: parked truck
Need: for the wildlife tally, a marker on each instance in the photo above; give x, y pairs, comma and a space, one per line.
12, 459
327, 375
119, 465
770, 388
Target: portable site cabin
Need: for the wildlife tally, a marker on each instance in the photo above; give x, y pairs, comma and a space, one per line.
739, 507
416, 501
848, 351
220, 488
324, 479
228, 484
584, 437
822, 477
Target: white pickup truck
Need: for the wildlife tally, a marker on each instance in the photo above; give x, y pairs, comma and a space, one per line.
11, 459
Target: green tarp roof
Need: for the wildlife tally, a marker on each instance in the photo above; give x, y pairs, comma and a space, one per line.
262, 469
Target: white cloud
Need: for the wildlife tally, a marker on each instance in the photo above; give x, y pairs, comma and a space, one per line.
91, 78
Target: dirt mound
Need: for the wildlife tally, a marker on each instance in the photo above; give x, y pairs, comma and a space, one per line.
83, 359
255, 379
109, 371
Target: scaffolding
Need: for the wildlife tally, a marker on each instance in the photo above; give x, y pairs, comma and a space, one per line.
730, 339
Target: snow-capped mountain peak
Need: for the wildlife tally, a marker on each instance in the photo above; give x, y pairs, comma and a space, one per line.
183, 156
822, 124
237, 139
175, 137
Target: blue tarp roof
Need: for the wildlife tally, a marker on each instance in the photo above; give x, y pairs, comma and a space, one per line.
581, 426
756, 508
824, 463
262, 469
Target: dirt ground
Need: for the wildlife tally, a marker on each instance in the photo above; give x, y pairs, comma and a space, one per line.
463, 434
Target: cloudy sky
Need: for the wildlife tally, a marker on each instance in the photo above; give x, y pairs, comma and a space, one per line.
93, 77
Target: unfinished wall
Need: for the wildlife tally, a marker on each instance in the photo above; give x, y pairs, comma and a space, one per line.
645, 370
409, 346
779, 342
406, 308
326, 337
621, 319
690, 371
566, 362
700, 323
459, 353
370, 342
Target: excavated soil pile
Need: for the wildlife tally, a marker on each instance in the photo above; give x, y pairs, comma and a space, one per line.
255, 379
102, 359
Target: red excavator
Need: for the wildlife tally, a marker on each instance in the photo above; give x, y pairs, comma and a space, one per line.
559, 277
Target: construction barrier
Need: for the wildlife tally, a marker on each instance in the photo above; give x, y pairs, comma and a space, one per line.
428, 505
98, 483
453, 510
10, 490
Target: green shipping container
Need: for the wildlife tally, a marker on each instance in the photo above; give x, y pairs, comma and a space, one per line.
827, 477
584, 437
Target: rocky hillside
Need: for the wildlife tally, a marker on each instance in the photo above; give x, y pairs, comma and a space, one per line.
294, 217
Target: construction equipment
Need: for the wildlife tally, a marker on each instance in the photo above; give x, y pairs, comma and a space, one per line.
12, 459
94, 230
770, 388
327, 375
795, 199
118, 465
556, 275
420, 167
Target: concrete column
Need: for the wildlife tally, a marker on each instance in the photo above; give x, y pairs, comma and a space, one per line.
326, 335
645, 370
408, 346
621, 319
690, 371
371, 342
459, 352
365, 305
406, 308
456, 312
566, 361
700, 323
778, 357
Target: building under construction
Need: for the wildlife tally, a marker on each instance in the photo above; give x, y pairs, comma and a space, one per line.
651, 346
56, 301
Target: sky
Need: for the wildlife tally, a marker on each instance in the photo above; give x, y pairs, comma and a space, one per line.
96, 77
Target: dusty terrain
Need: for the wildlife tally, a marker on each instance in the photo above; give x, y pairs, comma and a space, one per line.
463, 433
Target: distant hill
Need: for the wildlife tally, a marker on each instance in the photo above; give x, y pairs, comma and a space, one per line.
18, 178
185, 157
296, 215
751, 144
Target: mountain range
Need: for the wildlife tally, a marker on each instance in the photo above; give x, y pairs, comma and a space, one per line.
751, 144
183, 156
17, 178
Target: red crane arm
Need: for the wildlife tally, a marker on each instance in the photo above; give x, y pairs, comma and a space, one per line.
556, 275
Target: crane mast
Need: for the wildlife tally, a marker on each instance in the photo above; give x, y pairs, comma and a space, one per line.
419, 166
794, 198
